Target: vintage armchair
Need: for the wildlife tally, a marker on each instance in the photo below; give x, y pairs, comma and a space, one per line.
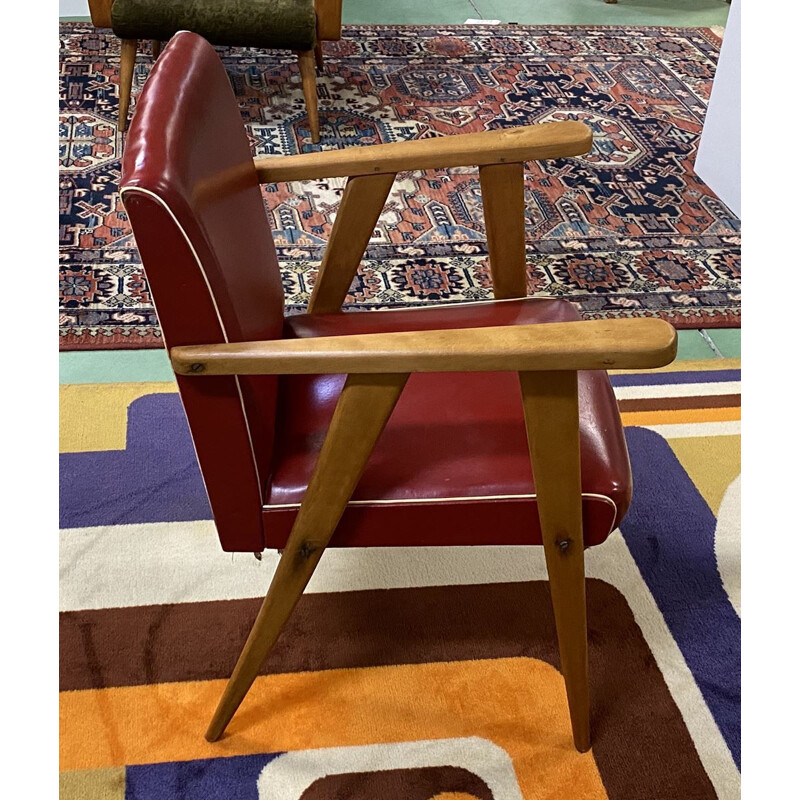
299, 25
426, 410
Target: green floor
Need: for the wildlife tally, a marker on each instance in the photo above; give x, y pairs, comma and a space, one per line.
152, 365
120, 366
533, 12
537, 12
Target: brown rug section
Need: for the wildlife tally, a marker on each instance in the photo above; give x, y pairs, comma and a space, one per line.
422, 783
640, 742
680, 403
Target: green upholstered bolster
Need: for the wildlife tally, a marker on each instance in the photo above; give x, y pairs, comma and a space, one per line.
273, 24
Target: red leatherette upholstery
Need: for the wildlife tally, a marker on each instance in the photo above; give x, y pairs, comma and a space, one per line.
192, 195
452, 465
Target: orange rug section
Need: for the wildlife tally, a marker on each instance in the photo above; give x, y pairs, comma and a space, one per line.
518, 703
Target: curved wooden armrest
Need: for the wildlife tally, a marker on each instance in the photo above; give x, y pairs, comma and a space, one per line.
511, 145
595, 344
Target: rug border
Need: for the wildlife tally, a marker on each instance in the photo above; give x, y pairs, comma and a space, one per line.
77, 342
707, 30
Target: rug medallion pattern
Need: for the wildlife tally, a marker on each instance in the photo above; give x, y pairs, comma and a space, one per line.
627, 230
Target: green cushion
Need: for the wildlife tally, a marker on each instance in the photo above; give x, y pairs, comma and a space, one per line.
274, 24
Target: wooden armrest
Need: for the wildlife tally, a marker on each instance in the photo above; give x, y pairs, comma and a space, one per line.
511, 145
595, 344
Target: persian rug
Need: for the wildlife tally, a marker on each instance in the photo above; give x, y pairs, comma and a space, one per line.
627, 230
413, 673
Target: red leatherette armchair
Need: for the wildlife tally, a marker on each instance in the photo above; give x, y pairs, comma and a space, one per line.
411, 427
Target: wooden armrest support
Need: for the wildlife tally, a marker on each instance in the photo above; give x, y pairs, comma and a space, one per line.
512, 145
595, 344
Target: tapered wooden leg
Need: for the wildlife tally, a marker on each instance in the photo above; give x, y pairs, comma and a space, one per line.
156, 47
361, 413
318, 55
551, 418
309, 77
127, 61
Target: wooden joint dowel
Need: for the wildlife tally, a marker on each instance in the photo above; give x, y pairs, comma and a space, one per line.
503, 191
550, 401
361, 205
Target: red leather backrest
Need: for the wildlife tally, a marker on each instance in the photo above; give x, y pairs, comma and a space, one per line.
192, 195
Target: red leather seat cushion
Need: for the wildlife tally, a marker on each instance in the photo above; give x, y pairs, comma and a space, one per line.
452, 465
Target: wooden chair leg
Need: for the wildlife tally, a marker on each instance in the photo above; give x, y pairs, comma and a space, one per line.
551, 417
361, 414
318, 55
309, 77
156, 47
126, 64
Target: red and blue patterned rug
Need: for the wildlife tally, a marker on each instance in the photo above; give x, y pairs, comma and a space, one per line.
627, 230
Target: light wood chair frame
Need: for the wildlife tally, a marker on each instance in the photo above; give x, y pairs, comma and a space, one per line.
329, 28
546, 356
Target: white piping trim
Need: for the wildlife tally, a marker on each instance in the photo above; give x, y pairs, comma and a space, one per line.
465, 499
216, 311
431, 500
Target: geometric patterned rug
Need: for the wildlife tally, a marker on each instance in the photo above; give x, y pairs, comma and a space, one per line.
404, 672
626, 230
